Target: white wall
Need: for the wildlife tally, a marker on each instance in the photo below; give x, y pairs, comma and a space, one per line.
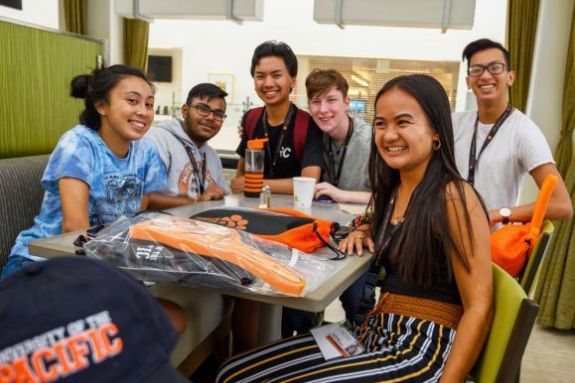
224, 46
105, 24
168, 94
544, 105
40, 12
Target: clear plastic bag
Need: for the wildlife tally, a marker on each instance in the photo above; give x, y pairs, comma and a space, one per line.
157, 247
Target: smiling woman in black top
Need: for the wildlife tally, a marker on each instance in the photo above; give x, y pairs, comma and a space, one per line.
431, 231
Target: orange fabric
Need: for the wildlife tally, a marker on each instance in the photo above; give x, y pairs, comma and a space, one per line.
443, 313
512, 244
176, 232
304, 237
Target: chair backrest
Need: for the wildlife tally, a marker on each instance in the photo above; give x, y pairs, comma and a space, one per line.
21, 196
536, 257
500, 359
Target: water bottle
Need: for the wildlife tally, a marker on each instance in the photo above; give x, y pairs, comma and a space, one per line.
254, 170
265, 198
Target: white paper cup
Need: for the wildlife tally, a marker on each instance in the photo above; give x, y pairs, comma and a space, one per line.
303, 188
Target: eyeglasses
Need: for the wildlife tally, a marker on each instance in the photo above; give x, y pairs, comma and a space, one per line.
204, 111
493, 68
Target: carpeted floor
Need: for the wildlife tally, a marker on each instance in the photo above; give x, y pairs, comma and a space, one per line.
549, 357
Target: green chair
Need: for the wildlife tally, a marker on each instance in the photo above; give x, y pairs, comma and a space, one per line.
529, 275
500, 360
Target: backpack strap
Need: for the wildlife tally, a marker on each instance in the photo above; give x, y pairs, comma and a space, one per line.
300, 131
300, 134
288, 211
367, 298
323, 229
541, 204
251, 121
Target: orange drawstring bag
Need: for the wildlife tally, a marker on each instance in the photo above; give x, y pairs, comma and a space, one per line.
511, 244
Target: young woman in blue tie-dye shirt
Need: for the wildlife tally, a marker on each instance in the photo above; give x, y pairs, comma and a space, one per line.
100, 170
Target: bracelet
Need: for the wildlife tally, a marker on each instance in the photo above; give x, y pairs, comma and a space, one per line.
364, 219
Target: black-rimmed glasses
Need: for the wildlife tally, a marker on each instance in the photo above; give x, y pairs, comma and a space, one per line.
493, 68
204, 111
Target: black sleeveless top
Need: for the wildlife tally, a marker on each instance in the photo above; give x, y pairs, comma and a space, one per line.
441, 289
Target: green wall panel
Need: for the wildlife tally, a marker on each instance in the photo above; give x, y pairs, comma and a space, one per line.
36, 67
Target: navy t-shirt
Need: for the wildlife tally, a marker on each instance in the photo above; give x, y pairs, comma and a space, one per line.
287, 165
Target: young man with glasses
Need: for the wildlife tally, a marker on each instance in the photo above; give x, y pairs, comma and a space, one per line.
497, 145
194, 168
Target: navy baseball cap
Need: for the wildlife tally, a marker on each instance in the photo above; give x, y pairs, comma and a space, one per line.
74, 319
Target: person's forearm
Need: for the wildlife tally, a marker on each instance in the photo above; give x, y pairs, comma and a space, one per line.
523, 213
312, 172
75, 224
162, 202
469, 340
240, 170
355, 197
280, 186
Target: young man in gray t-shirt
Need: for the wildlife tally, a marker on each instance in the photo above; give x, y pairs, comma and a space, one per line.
346, 140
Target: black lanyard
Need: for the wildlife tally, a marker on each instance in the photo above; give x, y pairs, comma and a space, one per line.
384, 238
473, 160
285, 125
200, 176
367, 298
335, 173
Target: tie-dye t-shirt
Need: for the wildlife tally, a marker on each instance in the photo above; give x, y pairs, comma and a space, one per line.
116, 184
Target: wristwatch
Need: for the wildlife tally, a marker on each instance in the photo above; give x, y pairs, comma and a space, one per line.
505, 214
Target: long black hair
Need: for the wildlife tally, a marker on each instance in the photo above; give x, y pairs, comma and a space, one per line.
426, 240
97, 85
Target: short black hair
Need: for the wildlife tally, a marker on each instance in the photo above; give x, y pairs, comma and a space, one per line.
208, 90
274, 48
481, 45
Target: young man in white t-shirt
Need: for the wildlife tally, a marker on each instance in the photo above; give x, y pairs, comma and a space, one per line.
516, 147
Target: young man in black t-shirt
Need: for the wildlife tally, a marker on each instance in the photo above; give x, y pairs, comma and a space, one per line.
274, 70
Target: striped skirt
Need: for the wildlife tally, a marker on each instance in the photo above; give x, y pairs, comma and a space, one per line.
398, 349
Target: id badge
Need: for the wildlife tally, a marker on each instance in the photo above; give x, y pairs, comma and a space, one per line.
335, 341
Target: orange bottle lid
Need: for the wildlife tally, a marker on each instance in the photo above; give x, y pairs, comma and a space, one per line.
258, 143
